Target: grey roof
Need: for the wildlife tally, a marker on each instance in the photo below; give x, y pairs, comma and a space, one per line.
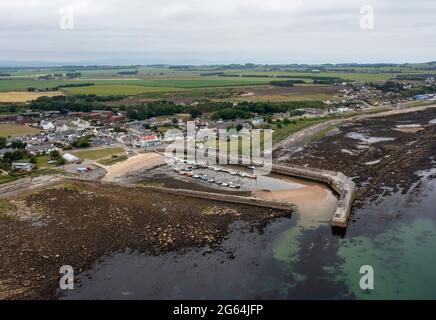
6, 150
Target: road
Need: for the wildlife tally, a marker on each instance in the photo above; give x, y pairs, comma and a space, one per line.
285, 148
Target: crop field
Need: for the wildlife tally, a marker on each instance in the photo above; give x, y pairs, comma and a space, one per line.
15, 84
96, 154
16, 130
106, 90
343, 75
23, 96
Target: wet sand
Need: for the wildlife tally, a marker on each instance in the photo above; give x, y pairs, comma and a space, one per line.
135, 163
314, 202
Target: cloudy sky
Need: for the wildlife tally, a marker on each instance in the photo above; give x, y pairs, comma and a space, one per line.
216, 31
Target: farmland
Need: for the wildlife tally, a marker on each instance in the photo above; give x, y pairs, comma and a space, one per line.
22, 96
105, 90
14, 84
167, 79
14, 130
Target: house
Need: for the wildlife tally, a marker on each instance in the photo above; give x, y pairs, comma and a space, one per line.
23, 166
147, 141
51, 114
258, 121
5, 150
63, 128
47, 125
39, 149
9, 118
281, 115
81, 124
117, 118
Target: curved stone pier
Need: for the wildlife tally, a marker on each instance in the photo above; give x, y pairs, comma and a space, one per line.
340, 183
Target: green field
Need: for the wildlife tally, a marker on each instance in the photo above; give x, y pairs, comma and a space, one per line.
15, 130
118, 90
167, 84
343, 75
96, 154
112, 161
286, 130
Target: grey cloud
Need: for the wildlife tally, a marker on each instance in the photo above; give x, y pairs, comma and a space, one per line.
274, 31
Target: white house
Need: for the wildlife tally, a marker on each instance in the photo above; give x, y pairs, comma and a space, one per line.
47, 125
81, 124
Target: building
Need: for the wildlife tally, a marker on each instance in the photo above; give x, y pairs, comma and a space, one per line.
39, 149
47, 125
117, 118
23, 166
81, 124
69, 158
9, 118
147, 141
281, 115
6, 150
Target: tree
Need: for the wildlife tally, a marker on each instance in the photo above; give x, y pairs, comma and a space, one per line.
195, 113
60, 162
54, 155
83, 142
18, 144
118, 129
3, 142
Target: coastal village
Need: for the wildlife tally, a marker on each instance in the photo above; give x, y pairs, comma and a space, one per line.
61, 135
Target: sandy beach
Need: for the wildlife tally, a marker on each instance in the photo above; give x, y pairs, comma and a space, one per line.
133, 164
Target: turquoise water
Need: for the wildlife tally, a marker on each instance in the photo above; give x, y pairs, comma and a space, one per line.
292, 258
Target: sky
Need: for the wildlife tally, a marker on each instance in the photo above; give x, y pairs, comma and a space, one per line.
217, 31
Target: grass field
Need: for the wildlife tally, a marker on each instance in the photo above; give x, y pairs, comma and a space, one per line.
343, 75
286, 130
112, 161
118, 90
23, 96
288, 97
15, 130
96, 154
15, 84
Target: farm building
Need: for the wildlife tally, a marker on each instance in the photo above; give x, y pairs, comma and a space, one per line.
69, 158
23, 166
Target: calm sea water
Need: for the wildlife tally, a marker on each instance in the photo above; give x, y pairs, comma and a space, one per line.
293, 258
